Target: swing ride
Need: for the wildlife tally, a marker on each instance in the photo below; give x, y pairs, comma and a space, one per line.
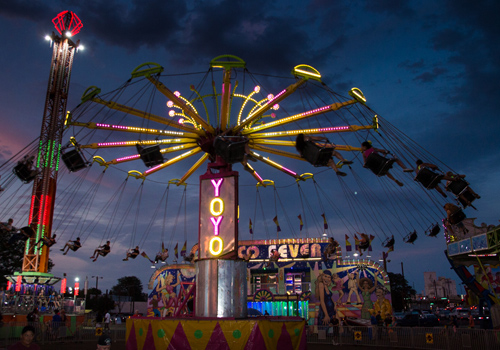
145, 125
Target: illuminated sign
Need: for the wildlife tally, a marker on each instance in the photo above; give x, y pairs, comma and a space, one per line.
218, 216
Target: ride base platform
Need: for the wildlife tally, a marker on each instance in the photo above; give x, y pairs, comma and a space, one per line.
253, 333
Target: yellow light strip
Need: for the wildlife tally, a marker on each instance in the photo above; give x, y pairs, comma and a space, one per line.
274, 164
321, 131
277, 99
173, 161
134, 129
247, 98
165, 91
97, 145
149, 116
278, 152
195, 166
255, 175
300, 116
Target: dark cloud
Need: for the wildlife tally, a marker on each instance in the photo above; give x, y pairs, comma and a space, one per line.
391, 7
429, 77
412, 66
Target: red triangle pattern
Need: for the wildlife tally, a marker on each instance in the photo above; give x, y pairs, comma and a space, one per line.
218, 340
131, 341
255, 340
285, 342
149, 343
179, 339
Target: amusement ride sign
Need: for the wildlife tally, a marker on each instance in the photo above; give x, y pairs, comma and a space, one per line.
218, 234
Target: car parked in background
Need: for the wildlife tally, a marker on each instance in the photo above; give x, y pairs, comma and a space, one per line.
416, 320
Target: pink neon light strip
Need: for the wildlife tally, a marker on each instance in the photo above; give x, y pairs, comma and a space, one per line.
216, 222
275, 97
288, 171
217, 186
113, 126
137, 156
111, 144
334, 128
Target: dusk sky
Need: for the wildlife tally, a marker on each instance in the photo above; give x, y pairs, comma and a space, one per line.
429, 68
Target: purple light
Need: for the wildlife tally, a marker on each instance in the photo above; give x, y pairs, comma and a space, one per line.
216, 222
128, 158
217, 185
104, 144
275, 97
289, 171
334, 128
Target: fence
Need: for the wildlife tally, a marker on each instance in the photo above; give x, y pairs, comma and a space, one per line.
50, 332
437, 338
22, 304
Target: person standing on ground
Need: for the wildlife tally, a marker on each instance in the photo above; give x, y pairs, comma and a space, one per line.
471, 320
107, 320
26, 342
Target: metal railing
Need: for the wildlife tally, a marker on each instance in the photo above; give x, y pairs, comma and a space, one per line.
53, 332
438, 338
23, 304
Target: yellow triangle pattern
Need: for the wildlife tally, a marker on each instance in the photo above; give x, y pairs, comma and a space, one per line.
163, 332
271, 332
237, 332
198, 332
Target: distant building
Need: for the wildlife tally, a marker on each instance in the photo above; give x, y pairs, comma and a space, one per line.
439, 287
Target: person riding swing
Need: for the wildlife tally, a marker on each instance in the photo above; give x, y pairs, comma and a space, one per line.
319, 153
101, 250
378, 164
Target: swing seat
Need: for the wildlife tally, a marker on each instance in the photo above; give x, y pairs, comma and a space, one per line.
389, 242
74, 160
457, 217
457, 187
151, 155
23, 172
428, 178
434, 231
469, 197
412, 237
316, 155
378, 164
230, 148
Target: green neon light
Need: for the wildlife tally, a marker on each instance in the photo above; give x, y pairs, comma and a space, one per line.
58, 159
39, 155
46, 165
53, 151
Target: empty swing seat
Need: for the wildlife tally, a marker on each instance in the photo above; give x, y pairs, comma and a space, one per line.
316, 155
434, 231
74, 160
388, 242
25, 173
428, 178
230, 148
151, 156
457, 217
378, 164
412, 237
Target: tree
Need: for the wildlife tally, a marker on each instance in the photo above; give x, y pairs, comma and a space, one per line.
401, 291
11, 258
129, 286
102, 304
